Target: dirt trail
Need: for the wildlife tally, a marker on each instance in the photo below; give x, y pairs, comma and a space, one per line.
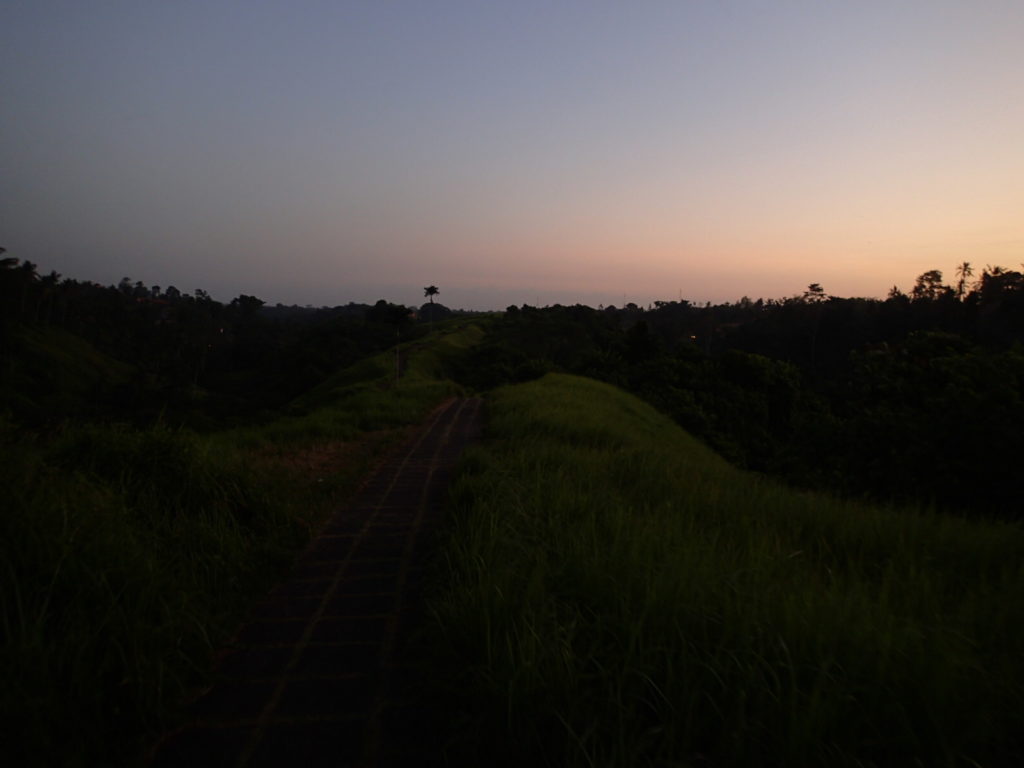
313, 678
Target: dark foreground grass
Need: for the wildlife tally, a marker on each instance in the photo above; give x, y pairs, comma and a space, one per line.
614, 594
127, 556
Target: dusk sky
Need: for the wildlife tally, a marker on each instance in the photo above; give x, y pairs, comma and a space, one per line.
535, 151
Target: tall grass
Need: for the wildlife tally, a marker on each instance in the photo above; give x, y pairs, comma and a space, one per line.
368, 396
128, 555
615, 594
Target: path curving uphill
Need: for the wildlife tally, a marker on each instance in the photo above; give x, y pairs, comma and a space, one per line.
310, 679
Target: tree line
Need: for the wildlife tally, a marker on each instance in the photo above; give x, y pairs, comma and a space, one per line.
915, 398
194, 359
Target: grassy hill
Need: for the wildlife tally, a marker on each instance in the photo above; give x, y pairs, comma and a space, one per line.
615, 594
49, 370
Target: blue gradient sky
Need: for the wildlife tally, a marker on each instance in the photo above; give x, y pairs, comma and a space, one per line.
528, 151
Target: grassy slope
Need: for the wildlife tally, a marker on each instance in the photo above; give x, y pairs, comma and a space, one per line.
615, 594
364, 397
48, 370
127, 555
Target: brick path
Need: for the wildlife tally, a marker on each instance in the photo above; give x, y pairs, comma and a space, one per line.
313, 678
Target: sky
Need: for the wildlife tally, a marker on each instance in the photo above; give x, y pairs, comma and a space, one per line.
535, 151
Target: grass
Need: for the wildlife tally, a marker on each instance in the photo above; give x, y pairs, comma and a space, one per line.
127, 555
615, 594
365, 396
50, 371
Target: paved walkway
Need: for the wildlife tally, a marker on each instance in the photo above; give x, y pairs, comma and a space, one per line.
312, 679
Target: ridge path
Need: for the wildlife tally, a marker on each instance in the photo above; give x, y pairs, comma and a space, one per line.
313, 679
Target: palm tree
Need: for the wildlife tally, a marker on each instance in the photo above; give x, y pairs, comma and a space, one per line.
963, 271
430, 292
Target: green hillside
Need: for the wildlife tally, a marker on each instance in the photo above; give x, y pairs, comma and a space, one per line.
615, 594
50, 371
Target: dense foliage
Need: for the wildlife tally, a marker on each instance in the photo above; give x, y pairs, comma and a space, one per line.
918, 397
182, 357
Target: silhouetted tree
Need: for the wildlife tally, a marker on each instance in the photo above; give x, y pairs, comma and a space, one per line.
963, 272
28, 278
430, 292
10, 284
386, 312
248, 305
49, 287
929, 286
814, 294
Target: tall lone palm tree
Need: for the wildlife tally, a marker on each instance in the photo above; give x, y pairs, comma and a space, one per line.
430, 292
963, 271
